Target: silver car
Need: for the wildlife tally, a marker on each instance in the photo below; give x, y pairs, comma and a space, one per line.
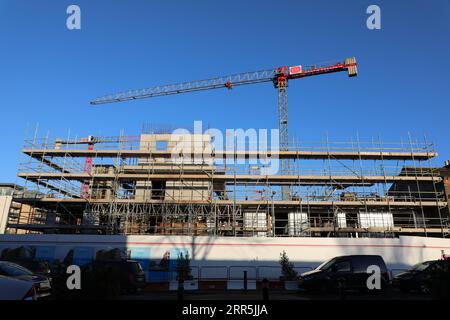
41, 283
14, 289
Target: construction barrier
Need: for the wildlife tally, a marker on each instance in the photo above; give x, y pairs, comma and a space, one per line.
218, 263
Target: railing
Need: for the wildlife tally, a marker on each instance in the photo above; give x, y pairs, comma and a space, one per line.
235, 273
254, 273
247, 193
240, 166
134, 143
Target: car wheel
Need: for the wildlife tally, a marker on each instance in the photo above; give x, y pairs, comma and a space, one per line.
424, 289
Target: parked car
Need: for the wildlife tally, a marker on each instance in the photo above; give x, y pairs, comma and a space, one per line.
127, 274
41, 283
14, 289
347, 272
420, 276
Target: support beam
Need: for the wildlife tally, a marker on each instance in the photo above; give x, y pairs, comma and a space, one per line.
282, 154
251, 203
227, 178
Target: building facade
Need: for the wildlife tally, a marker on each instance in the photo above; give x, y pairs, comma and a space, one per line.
168, 184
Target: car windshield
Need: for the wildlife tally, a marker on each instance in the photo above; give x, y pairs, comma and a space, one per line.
326, 264
421, 266
13, 270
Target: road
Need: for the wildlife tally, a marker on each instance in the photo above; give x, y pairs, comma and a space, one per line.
275, 295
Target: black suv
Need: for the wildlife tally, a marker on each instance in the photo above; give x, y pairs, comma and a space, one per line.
125, 275
421, 277
346, 272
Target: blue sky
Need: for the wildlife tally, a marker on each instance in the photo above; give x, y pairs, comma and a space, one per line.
48, 74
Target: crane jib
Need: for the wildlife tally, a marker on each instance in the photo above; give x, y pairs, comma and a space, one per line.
277, 75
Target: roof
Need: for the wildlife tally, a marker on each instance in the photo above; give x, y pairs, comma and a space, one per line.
10, 185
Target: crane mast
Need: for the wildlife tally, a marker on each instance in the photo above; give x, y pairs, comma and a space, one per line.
279, 76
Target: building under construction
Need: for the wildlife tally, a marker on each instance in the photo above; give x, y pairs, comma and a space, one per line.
145, 185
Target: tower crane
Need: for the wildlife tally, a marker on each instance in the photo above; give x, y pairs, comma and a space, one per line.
278, 76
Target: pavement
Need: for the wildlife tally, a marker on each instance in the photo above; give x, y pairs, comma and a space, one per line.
274, 295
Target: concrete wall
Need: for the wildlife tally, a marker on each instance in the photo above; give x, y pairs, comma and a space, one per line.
176, 190
5, 203
186, 143
227, 256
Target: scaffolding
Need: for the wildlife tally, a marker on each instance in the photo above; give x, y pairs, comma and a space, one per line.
141, 185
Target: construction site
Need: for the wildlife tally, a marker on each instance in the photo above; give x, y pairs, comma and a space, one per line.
203, 151
134, 185
167, 183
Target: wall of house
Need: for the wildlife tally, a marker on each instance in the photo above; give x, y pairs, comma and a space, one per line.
5, 203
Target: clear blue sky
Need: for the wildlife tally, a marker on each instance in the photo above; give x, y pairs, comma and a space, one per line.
48, 74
